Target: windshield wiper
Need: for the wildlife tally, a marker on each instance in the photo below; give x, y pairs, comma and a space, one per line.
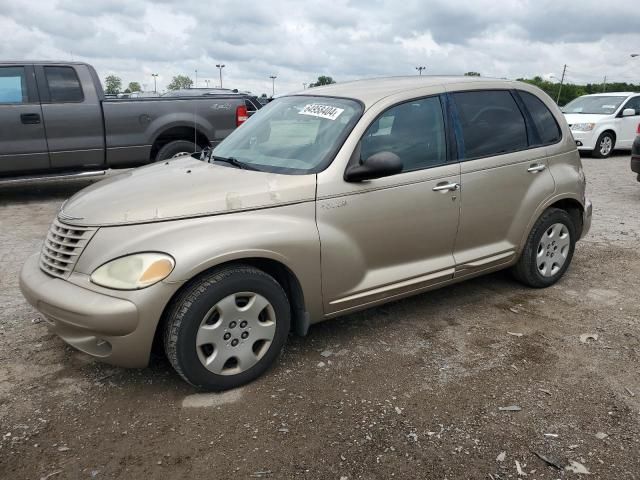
234, 161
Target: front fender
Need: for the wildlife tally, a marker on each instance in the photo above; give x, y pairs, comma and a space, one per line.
286, 234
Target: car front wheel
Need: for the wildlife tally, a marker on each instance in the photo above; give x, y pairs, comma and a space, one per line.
548, 251
227, 327
604, 145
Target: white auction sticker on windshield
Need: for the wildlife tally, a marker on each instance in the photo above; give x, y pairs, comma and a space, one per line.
322, 111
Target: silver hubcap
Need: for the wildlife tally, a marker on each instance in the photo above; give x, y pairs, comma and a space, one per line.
606, 145
181, 154
553, 249
236, 333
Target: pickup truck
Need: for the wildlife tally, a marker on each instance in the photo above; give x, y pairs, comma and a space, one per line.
55, 120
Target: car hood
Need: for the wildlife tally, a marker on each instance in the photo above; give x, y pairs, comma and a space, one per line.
182, 188
584, 118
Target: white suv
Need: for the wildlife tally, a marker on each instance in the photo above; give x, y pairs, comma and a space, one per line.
604, 121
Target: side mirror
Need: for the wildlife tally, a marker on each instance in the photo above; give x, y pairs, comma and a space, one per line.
381, 164
628, 112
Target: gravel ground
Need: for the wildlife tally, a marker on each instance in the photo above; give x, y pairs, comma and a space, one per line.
413, 389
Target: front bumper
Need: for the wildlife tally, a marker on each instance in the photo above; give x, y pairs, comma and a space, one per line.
586, 218
116, 330
584, 140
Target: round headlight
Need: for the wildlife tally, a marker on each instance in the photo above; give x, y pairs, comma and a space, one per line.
134, 272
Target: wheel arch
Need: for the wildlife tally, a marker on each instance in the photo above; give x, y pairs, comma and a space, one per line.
177, 132
300, 318
568, 203
611, 130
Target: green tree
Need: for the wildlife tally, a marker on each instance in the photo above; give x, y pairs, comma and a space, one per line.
472, 74
180, 81
113, 84
322, 80
134, 87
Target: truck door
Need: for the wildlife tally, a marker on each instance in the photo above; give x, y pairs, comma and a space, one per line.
72, 116
23, 146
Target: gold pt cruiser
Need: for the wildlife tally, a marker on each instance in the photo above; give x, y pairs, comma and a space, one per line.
325, 202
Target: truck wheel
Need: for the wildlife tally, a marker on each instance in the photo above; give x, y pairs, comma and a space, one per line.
548, 251
604, 145
176, 148
227, 327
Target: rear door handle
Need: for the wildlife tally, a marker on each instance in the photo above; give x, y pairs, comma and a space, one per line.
30, 118
536, 167
446, 187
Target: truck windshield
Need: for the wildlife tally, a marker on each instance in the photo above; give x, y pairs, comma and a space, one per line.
292, 135
600, 105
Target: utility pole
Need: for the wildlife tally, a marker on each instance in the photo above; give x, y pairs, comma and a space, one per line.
564, 70
420, 69
273, 85
196, 78
604, 84
155, 86
220, 66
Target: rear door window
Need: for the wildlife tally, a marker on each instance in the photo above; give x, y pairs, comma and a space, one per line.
491, 123
413, 130
13, 85
64, 85
543, 120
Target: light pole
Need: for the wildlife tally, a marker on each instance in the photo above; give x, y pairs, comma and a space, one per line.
220, 67
155, 86
196, 86
420, 69
564, 71
273, 85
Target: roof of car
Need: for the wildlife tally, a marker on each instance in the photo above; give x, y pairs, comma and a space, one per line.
371, 90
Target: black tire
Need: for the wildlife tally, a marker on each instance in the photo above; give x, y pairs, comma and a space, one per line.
526, 270
175, 147
600, 145
189, 308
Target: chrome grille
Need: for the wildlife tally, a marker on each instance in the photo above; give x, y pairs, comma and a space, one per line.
62, 247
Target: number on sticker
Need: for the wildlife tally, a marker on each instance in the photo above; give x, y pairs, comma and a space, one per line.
322, 111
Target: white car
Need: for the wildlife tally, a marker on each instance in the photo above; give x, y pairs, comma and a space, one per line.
604, 121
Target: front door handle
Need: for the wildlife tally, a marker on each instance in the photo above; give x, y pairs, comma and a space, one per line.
446, 187
536, 167
30, 118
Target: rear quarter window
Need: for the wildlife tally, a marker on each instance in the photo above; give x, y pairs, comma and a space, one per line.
64, 85
543, 120
491, 123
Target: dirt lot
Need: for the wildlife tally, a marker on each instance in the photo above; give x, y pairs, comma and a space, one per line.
409, 390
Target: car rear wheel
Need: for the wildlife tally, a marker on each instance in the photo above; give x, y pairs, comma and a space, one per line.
604, 145
227, 327
175, 149
548, 251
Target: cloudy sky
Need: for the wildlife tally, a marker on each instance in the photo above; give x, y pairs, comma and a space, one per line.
347, 39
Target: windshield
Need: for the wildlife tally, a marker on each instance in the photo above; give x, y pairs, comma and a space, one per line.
599, 105
295, 135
